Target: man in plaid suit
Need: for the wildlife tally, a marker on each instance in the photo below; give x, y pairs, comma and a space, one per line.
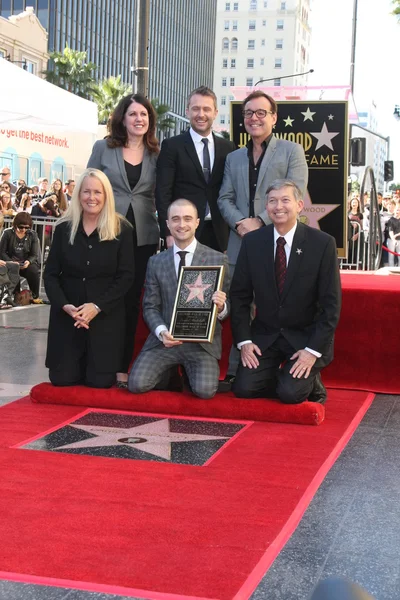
161, 351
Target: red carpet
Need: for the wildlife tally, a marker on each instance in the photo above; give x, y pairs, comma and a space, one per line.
222, 406
367, 336
159, 530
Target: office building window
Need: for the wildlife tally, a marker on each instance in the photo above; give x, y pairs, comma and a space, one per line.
233, 63
223, 100
262, 61
223, 82
225, 44
279, 24
3, 53
262, 42
252, 25
224, 63
251, 44
222, 119
249, 81
232, 81
265, 4
234, 44
253, 4
278, 63
250, 63
227, 6
236, 6
283, 5
264, 23
226, 25
234, 25
278, 44
277, 82
31, 67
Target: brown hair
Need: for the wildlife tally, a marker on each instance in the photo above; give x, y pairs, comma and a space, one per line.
118, 136
260, 94
203, 90
9, 203
22, 218
61, 199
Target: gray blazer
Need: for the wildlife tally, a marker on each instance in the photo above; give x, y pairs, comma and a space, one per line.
282, 160
160, 291
141, 198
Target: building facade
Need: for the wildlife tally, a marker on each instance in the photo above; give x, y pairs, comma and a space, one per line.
376, 147
181, 55
23, 41
256, 40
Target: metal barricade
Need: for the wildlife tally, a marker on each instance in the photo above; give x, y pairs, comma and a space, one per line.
44, 228
356, 251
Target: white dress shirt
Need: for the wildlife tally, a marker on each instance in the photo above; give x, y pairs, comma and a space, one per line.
191, 249
198, 144
288, 247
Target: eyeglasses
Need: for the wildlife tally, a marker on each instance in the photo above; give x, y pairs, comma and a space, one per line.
4, 174
260, 113
22, 227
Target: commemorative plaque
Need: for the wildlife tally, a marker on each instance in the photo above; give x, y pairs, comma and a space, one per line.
195, 314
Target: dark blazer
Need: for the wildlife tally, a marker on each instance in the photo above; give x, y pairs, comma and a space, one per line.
88, 271
160, 292
180, 175
9, 240
308, 311
141, 198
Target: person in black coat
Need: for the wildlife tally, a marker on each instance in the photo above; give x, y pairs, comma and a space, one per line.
291, 273
89, 269
191, 166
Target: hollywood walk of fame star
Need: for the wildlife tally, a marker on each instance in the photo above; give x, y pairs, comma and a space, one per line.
288, 122
308, 115
299, 251
153, 438
324, 137
314, 212
330, 117
197, 289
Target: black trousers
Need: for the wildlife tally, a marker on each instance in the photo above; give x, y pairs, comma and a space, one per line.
80, 371
208, 237
32, 276
271, 380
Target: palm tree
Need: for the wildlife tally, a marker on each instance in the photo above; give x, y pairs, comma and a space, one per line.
164, 119
71, 72
107, 94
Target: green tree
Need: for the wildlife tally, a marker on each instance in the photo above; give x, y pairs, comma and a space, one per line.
225, 134
70, 71
396, 10
107, 94
164, 120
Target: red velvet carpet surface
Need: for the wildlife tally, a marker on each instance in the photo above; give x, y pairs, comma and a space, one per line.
367, 336
222, 406
159, 530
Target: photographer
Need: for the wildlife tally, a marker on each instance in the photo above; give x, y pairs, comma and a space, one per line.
20, 245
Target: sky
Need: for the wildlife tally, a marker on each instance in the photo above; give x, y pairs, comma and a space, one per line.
376, 64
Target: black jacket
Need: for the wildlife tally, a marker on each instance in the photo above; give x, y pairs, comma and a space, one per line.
9, 241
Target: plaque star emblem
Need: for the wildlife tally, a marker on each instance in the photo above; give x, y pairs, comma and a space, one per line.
312, 213
299, 251
324, 137
288, 122
330, 117
153, 438
308, 115
197, 289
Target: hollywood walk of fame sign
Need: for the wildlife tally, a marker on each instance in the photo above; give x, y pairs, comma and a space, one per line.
322, 129
195, 315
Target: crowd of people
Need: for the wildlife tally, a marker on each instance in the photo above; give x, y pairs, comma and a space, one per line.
211, 205
358, 229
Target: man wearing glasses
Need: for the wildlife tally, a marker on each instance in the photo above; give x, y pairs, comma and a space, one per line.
5, 175
248, 173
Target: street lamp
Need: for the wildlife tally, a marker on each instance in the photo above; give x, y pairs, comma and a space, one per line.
284, 77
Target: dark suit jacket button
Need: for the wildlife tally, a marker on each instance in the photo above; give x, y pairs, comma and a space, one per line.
282, 330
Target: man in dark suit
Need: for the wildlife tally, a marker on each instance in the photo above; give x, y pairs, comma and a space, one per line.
291, 271
161, 351
191, 165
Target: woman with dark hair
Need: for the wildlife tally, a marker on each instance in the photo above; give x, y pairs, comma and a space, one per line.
20, 245
128, 157
355, 231
56, 190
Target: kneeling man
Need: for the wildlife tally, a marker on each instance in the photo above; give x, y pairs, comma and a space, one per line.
291, 272
160, 351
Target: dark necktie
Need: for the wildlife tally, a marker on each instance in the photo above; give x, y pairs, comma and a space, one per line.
182, 263
206, 160
280, 264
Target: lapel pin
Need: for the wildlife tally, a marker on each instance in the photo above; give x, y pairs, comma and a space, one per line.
299, 251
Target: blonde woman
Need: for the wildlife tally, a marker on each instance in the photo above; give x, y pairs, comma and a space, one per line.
89, 270
56, 188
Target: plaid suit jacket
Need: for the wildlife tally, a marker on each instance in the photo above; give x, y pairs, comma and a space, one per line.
160, 291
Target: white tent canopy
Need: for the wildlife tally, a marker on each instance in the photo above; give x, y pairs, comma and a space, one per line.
29, 101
